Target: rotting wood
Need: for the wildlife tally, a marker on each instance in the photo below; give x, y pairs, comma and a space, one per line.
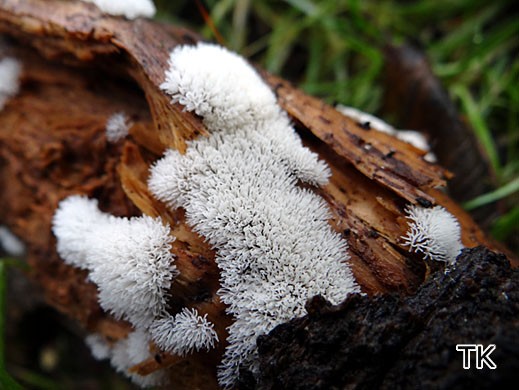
60, 149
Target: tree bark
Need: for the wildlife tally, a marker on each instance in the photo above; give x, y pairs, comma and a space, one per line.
81, 66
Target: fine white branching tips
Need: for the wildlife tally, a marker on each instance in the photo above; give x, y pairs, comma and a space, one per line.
131, 9
434, 232
184, 333
412, 137
229, 98
10, 70
235, 103
117, 127
128, 259
275, 247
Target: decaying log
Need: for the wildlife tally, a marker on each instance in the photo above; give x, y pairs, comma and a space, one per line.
80, 67
420, 102
389, 342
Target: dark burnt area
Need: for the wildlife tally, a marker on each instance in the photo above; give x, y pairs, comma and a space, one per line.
364, 125
390, 154
394, 342
397, 168
424, 202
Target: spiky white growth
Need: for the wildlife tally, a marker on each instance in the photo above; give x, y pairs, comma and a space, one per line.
133, 350
128, 259
76, 218
412, 137
434, 232
10, 70
117, 127
232, 97
235, 99
100, 349
131, 9
10, 243
184, 333
275, 248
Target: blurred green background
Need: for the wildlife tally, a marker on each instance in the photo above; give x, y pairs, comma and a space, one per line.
333, 49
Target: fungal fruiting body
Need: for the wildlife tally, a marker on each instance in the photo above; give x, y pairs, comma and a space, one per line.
239, 188
184, 332
10, 70
365, 118
128, 259
133, 350
412, 137
10, 243
435, 233
131, 263
99, 348
117, 127
130, 9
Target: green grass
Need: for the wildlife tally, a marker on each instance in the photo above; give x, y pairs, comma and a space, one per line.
332, 49
6, 380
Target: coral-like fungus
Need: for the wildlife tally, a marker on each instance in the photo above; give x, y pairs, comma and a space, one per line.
275, 248
434, 232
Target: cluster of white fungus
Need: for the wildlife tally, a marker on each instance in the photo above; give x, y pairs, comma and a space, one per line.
435, 233
117, 127
129, 259
412, 137
130, 9
131, 263
125, 354
239, 188
10, 70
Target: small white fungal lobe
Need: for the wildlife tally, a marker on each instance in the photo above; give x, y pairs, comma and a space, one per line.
98, 346
275, 247
184, 333
117, 127
128, 259
131, 263
133, 350
10, 70
131, 9
412, 137
434, 232
10, 243
364, 117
